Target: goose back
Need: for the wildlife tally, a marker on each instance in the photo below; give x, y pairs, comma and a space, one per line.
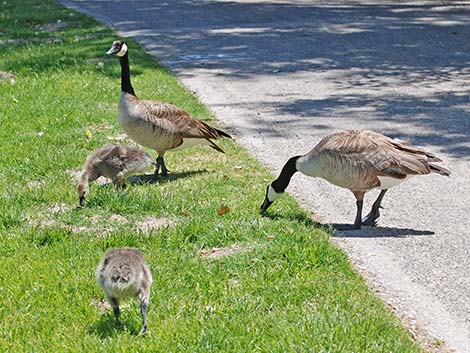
361, 160
162, 126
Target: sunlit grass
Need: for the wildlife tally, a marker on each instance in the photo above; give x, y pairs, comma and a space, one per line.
286, 288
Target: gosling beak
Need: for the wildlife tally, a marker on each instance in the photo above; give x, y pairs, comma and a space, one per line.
82, 201
266, 204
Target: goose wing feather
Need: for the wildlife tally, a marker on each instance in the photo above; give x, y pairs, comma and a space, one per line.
376, 152
176, 120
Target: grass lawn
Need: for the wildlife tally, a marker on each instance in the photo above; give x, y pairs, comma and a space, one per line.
236, 282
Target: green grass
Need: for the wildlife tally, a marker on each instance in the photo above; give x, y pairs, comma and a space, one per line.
287, 289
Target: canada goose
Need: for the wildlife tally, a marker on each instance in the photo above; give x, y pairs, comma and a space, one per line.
157, 125
123, 273
358, 160
115, 162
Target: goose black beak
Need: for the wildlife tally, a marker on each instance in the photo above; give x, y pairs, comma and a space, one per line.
266, 204
82, 201
113, 50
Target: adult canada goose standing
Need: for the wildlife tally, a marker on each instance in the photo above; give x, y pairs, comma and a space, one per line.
115, 162
157, 125
123, 273
358, 160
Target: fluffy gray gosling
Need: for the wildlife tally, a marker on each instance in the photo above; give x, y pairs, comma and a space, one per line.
123, 273
116, 162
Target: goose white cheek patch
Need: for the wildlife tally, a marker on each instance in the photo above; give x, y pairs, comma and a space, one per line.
272, 194
123, 50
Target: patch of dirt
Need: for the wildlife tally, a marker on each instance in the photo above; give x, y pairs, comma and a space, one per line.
51, 40
17, 41
101, 127
95, 219
7, 76
79, 229
52, 27
216, 253
120, 137
45, 223
58, 208
75, 174
101, 304
116, 218
35, 184
150, 224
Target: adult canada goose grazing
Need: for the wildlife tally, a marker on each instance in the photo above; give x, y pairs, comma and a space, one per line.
358, 160
157, 125
115, 162
123, 273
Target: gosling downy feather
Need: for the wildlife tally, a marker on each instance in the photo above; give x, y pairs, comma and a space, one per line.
358, 160
157, 125
116, 162
123, 273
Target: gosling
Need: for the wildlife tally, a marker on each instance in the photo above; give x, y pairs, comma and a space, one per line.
123, 273
115, 162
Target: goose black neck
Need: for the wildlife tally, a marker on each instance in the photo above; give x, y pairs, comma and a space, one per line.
289, 169
126, 75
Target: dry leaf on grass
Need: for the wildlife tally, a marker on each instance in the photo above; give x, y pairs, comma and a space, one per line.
223, 210
186, 213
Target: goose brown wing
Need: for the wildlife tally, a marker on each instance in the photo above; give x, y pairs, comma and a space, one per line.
377, 153
178, 121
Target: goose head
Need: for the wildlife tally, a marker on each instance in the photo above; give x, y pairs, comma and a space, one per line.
118, 48
82, 190
271, 196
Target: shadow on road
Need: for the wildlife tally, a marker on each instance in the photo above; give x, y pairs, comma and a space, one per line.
405, 57
380, 232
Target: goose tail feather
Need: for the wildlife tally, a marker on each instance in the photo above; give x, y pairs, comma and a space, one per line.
214, 146
439, 169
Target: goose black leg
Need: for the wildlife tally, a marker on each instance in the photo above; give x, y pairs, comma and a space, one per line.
358, 221
371, 218
143, 311
161, 164
115, 304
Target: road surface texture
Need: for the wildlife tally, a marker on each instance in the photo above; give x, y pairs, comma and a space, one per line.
283, 74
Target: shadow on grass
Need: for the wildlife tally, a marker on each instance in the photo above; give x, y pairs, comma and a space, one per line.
150, 178
299, 217
107, 327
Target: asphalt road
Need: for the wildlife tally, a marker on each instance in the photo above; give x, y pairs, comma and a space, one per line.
281, 75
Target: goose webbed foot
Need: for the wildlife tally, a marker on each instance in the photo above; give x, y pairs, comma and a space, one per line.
372, 217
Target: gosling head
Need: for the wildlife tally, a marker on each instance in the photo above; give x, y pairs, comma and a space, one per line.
82, 190
271, 196
119, 48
